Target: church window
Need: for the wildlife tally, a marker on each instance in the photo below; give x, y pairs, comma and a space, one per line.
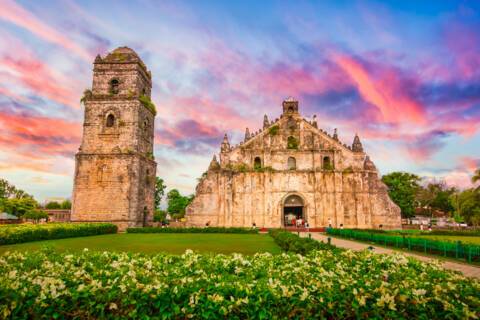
101, 173
110, 120
292, 163
327, 164
145, 127
147, 178
114, 86
257, 163
292, 143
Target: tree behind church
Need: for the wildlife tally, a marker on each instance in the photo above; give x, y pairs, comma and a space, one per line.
177, 203
402, 189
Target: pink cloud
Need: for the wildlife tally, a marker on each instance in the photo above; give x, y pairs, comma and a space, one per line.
39, 137
469, 163
16, 14
41, 79
25, 69
14, 96
386, 92
459, 179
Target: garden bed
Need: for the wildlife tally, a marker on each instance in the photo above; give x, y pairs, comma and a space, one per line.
322, 284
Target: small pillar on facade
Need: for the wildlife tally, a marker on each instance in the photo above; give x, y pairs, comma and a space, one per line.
214, 165
266, 123
247, 134
225, 147
314, 121
357, 145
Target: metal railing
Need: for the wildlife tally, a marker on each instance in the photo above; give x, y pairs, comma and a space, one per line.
453, 249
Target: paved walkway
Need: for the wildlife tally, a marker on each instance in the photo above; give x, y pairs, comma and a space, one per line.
467, 270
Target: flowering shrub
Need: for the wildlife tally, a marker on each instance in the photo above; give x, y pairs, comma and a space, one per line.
191, 230
27, 232
322, 284
290, 242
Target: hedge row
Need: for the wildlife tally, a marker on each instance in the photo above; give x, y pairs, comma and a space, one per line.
291, 242
27, 233
191, 230
321, 285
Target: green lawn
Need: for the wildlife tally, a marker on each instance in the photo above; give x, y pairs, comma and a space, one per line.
175, 243
466, 239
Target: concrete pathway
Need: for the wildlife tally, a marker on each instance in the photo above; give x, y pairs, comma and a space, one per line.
467, 270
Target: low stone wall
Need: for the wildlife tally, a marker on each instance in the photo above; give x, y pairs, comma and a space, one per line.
58, 215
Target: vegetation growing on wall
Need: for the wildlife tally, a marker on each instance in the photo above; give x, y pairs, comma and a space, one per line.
348, 170
292, 143
87, 94
328, 166
147, 103
274, 130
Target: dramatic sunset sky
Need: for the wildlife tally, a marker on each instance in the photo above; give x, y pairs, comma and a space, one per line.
404, 75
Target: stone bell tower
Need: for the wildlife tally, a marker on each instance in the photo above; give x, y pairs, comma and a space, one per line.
114, 168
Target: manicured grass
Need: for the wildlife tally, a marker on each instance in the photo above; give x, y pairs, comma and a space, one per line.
151, 243
465, 239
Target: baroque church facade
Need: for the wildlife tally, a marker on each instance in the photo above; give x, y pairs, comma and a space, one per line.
115, 170
291, 171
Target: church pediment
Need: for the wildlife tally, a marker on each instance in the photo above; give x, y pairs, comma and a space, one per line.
291, 131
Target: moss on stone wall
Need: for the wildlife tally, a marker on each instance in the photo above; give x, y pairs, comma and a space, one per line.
87, 94
147, 103
292, 143
274, 130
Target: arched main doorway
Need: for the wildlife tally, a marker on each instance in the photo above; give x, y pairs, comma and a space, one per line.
293, 210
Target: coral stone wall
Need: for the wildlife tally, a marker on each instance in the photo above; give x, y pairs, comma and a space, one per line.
338, 184
115, 171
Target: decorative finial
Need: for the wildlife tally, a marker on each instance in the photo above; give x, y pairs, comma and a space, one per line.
357, 145
98, 59
214, 165
225, 144
266, 123
335, 134
368, 164
247, 134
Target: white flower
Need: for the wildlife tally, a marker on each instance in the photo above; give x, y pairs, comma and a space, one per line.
419, 292
215, 298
